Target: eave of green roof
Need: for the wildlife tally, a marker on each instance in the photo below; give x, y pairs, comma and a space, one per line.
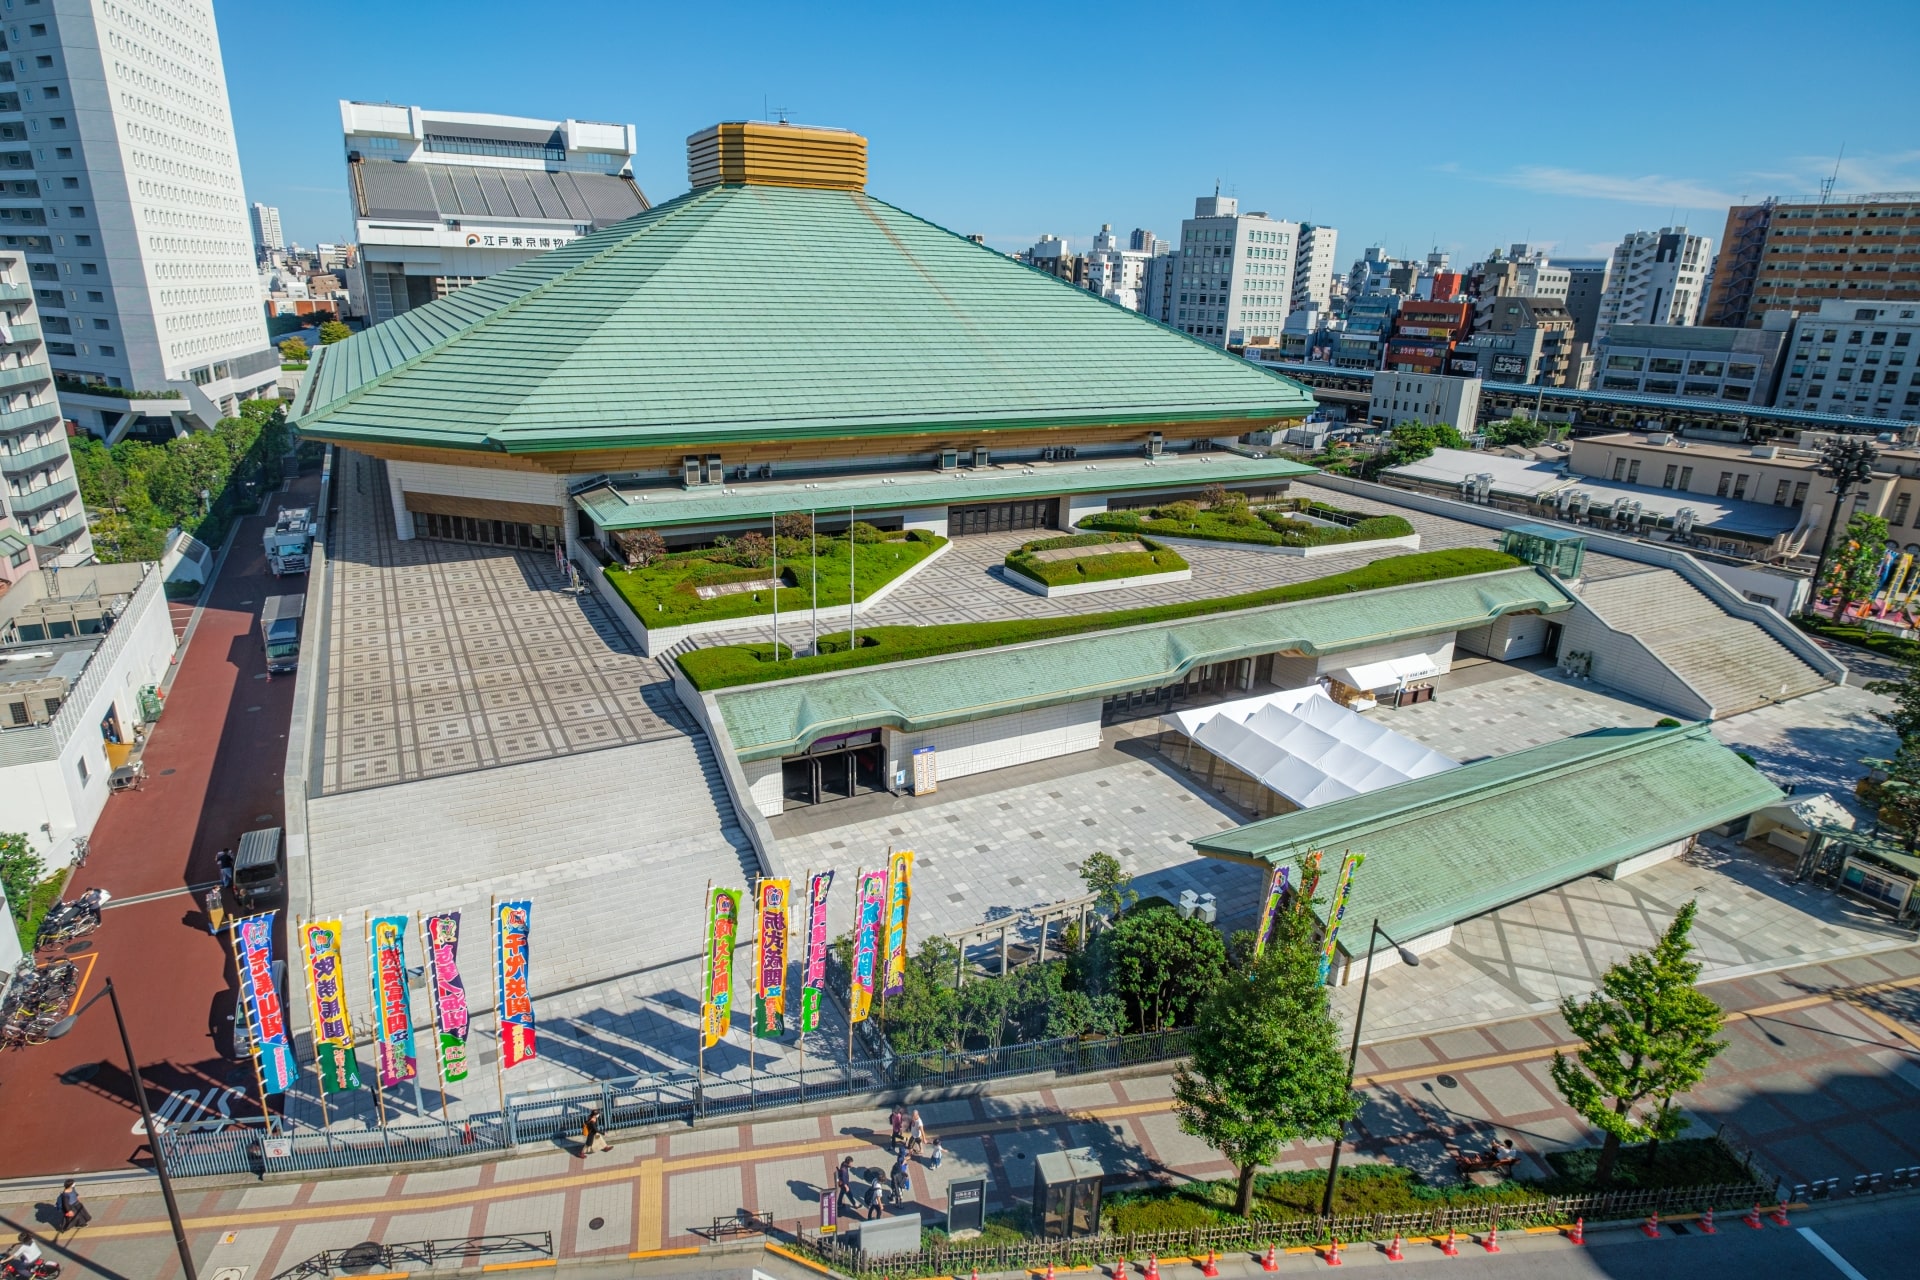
747, 312
765, 721
1446, 848
663, 507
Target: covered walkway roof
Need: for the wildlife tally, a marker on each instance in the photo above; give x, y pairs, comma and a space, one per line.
781, 717
1458, 844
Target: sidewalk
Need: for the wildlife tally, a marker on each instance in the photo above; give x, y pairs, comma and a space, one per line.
1822, 1079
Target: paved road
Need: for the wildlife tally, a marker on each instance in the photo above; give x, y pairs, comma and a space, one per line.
213, 768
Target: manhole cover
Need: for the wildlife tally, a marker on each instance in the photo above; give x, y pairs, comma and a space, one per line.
1448, 1082
75, 948
80, 1074
166, 773
594, 1224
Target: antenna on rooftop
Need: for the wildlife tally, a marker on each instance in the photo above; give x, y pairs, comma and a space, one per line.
768, 112
1826, 185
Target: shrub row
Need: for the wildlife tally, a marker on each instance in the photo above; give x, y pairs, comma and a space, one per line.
1105, 567
1259, 528
723, 666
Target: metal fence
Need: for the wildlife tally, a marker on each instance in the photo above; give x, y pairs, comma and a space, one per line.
629, 1102
945, 1258
460, 1250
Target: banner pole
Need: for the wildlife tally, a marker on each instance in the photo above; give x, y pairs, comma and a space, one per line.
499, 1011
706, 996
883, 958
313, 1005
260, 1082
804, 946
380, 1029
759, 1002
853, 969
433, 1009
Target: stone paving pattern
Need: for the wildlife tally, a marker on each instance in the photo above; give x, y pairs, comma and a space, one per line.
446, 657
1821, 1079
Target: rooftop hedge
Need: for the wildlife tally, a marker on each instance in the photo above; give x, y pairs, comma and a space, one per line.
724, 666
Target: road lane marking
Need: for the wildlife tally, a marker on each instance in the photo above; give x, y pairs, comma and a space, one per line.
1831, 1254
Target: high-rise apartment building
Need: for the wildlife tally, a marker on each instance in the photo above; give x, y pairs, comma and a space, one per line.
1236, 273
1119, 273
1655, 277
127, 202
1313, 266
1855, 358
1795, 255
444, 198
37, 482
1374, 274
266, 229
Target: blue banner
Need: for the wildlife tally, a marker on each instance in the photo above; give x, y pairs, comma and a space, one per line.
266, 1016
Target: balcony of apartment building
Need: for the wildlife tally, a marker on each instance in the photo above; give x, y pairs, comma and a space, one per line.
21, 452
31, 492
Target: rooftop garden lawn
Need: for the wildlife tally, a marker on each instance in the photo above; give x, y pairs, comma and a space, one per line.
663, 589
722, 666
1228, 518
1029, 562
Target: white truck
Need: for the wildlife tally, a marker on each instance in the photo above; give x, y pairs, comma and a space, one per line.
289, 541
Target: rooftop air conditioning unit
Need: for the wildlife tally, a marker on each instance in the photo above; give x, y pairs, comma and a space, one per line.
949, 459
1155, 443
1660, 437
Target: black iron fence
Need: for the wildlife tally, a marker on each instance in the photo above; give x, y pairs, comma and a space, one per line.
462, 1251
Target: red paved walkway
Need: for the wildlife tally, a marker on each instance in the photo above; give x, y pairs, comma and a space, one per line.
213, 771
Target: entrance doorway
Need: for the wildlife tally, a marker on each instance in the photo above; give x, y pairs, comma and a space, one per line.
1550, 650
838, 768
1002, 517
488, 533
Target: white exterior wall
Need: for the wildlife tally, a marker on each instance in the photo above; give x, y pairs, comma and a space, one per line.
1236, 273
1514, 635
1400, 397
1436, 649
1652, 285
471, 482
1653, 857
765, 786
932, 519
1000, 742
1078, 506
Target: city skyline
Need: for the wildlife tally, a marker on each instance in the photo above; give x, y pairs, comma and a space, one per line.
974, 141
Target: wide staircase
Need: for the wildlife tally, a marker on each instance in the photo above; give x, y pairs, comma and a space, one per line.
1734, 664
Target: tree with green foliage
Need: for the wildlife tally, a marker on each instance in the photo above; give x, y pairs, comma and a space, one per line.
20, 869
1526, 432
1896, 797
1108, 882
1413, 441
1904, 718
294, 350
1853, 567
332, 331
1649, 1035
1161, 966
1266, 1067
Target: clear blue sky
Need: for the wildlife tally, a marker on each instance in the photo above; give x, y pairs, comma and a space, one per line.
1408, 125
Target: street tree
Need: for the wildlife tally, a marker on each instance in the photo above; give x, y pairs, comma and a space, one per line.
293, 350
1896, 798
1108, 882
1903, 718
1266, 1068
20, 869
333, 331
1853, 568
1649, 1035
1161, 965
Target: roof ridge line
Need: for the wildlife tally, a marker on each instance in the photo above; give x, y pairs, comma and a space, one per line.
667, 213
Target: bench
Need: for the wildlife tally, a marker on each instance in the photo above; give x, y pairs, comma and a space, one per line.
739, 1223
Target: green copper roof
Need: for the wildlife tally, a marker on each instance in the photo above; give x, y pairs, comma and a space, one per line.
754, 312
613, 507
1453, 846
782, 717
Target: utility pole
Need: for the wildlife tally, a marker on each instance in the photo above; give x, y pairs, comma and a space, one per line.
1847, 461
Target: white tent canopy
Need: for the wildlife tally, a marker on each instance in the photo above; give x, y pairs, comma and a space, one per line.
1389, 673
1302, 744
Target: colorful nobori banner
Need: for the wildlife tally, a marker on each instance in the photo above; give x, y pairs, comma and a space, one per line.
442, 941
1309, 881
716, 1002
266, 1016
1336, 912
770, 959
326, 989
1270, 908
513, 1010
899, 898
392, 1020
870, 905
814, 974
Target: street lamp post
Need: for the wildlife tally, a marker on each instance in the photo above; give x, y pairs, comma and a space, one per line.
65, 1025
1353, 1054
1847, 461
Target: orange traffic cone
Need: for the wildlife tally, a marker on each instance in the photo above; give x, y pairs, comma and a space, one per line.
1779, 1215
1050, 1269
1706, 1223
1272, 1261
1579, 1233
1393, 1250
1209, 1267
1492, 1243
1447, 1247
1651, 1227
1753, 1218
1153, 1268
1333, 1254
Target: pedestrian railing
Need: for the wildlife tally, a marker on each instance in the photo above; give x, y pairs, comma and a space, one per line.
459, 1251
630, 1102
1466, 1219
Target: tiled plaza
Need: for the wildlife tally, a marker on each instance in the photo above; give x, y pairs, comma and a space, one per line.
444, 657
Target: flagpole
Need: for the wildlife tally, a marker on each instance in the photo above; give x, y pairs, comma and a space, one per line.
813, 532
759, 1001
706, 995
853, 969
853, 597
259, 1080
380, 1021
313, 1005
801, 1042
883, 963
433, 1009
499, 1009
773, 527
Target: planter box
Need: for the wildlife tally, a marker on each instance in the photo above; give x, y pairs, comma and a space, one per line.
1025, 583
1411, 542
654, 641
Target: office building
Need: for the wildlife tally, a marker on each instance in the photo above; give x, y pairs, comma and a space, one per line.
138, 235
1162, 276
266, 229
1236, 279
1528, 340
1655, 277
41, 492
1313, 266
1056, 257
1401, 397
1692, 360
1424, 335
1586, 284
444, 198
1118, 272
1848, 358
1795, 255
1374, 273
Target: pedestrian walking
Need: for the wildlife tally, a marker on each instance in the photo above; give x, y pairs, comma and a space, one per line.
876, 1198
917, 1133
901, 1180
72, 1214
843, 1183
223, 863
593, 1136
899, 1122
935, 1156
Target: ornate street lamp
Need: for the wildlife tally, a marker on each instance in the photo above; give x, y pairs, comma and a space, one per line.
1847, 461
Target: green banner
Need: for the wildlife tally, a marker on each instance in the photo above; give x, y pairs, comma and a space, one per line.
809, 1009
771, 1030
339, 1068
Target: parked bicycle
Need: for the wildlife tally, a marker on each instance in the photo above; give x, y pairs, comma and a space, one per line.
37, 1000
72, 919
